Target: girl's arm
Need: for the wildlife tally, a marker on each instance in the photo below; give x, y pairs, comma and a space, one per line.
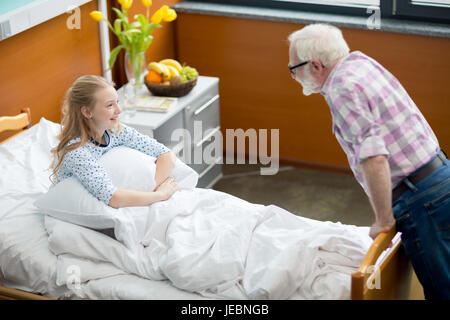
164, 165
133, 198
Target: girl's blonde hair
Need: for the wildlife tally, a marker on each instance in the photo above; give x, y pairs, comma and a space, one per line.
74, 124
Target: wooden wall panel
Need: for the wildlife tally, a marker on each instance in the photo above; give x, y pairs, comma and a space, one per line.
38, 65
250, 57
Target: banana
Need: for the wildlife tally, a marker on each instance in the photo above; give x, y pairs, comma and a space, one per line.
172, 62
173, 71
166, 73
155, 66
160, 69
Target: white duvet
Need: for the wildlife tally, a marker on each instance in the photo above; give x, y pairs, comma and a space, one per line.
220, 246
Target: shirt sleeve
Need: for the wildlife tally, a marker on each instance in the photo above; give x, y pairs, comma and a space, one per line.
357, 124
131, 138
90, 173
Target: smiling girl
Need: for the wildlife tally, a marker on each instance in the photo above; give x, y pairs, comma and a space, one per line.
90, 128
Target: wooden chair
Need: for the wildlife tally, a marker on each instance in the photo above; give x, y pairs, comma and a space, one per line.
20, 122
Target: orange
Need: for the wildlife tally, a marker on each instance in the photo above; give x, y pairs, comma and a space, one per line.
153, 76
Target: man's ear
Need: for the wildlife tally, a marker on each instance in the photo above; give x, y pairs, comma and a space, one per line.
317, 65
85, 112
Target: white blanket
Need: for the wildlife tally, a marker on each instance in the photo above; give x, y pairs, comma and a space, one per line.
220, 246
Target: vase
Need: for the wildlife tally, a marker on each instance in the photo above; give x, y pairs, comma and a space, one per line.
135, 68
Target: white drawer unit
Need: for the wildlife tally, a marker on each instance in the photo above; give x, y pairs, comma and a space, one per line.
203, 123
188, 128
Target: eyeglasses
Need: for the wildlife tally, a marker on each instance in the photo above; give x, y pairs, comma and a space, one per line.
291, 69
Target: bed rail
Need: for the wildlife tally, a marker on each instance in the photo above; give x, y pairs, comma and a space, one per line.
391, 278
14, 294
19, 122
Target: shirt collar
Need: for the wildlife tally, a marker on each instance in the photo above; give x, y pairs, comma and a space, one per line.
98, 144
327, 84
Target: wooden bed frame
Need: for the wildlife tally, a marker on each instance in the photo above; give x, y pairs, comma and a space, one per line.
392, 278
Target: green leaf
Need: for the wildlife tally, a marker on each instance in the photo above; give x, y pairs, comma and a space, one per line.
135, 25
117, 27
147, 42
153, 26
113, 55
143, 21
129, 32
120, 14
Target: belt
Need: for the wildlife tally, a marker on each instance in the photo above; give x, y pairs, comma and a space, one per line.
418, 175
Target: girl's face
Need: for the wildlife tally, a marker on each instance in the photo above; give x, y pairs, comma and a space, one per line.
105, 114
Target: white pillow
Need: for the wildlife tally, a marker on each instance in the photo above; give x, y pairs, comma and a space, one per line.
127, 168
185, 176
70, 201
130, 169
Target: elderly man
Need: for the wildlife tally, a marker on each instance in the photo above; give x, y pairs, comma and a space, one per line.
391, 148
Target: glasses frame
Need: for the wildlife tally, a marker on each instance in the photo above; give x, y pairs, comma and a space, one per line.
291, 69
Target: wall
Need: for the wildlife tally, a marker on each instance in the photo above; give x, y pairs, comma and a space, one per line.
38, 65
250, 57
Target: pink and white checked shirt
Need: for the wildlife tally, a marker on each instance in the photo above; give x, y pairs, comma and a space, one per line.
374, 115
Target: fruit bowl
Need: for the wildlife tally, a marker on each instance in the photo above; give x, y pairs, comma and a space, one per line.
171, 90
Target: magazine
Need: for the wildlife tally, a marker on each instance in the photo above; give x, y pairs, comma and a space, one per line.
154, 103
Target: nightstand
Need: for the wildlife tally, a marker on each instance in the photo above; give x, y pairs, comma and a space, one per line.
188, 128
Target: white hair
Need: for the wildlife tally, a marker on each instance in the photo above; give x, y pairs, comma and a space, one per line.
319, 41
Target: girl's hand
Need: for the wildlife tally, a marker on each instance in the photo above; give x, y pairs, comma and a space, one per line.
167, 188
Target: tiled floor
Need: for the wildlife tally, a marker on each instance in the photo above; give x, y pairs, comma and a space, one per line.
313, 194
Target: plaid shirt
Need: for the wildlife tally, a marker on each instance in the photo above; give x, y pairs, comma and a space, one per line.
374, 115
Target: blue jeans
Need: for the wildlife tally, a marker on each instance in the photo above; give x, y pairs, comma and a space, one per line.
422, 215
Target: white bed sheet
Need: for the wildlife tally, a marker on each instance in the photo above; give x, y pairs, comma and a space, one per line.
26, 261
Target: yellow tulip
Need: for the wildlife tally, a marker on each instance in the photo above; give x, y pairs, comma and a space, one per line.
96, 15
126, 4
164, 9
147, 3
170, 16
157, 17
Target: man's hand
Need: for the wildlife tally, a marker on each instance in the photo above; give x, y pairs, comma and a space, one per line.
376, 228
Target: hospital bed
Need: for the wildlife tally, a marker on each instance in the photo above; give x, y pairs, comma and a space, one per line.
385, 272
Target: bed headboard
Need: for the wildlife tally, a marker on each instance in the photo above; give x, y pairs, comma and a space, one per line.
10, 124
